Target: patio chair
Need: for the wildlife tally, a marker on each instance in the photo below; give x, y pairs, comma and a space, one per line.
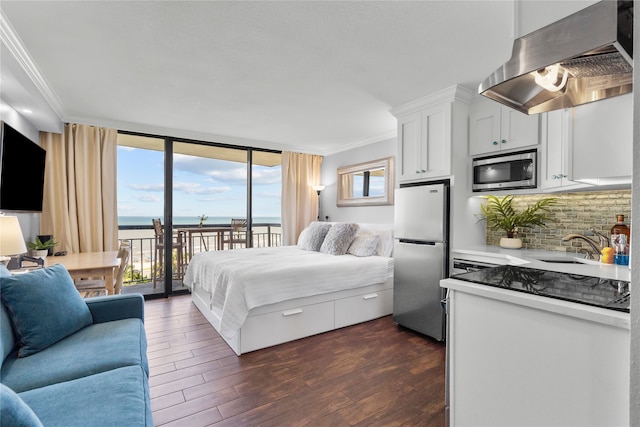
178, 245
90, 287
238, 233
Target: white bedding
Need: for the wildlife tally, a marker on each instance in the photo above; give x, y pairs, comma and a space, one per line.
242, 279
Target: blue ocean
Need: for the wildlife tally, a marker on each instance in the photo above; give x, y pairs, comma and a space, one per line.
192, 220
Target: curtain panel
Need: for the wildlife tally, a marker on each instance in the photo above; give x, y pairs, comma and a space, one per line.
79, 207
299, 200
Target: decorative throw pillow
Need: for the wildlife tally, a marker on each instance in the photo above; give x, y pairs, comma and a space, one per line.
44, 306
339, 238
4, 272
312, 237
364, 245
13, 410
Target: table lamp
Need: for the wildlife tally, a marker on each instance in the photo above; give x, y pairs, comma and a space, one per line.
11, 239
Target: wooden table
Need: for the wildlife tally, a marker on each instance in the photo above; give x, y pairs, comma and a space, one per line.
190, 231
89, 264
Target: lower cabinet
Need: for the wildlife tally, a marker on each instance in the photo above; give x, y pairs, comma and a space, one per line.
517, 365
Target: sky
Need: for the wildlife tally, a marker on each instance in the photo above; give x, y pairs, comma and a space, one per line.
202, 186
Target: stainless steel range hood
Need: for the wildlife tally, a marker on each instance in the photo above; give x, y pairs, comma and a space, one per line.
582, 58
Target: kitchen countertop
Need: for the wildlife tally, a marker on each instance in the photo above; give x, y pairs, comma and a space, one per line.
531, 258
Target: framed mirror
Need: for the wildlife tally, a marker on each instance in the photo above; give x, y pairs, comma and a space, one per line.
366, 184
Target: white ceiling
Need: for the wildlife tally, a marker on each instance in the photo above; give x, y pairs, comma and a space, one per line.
311, 76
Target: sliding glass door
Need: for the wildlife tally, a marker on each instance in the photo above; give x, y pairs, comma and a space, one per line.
207, 196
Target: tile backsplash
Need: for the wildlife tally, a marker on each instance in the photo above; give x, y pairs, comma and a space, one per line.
574, 213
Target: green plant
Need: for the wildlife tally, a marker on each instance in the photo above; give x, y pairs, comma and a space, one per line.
41, 246
500, 214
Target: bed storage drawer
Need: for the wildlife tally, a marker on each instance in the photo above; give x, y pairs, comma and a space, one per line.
361, 308
286, 325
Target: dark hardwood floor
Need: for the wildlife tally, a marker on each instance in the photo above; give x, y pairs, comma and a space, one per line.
372, 374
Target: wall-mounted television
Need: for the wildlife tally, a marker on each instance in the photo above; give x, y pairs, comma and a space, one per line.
21, 172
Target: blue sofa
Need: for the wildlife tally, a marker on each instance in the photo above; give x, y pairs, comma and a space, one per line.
95, 375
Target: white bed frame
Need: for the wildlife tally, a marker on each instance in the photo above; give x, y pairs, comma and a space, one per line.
302, 317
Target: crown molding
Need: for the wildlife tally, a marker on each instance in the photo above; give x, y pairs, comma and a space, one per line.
14, 45
449, 94
391, 134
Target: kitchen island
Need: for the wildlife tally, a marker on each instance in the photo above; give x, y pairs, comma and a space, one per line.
519, 358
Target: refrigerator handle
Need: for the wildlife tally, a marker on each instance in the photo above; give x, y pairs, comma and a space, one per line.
417, 242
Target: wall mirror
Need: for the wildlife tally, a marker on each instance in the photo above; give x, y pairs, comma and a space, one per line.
366, 184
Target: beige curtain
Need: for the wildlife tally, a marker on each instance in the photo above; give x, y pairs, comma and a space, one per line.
79, 207
299, 200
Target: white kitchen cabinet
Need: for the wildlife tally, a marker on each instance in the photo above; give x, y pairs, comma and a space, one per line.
494, 127
556, 164
428, 129
588, 145
602, 141
521, 360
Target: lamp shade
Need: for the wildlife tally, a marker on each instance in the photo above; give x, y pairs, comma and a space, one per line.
318, 187
11, 239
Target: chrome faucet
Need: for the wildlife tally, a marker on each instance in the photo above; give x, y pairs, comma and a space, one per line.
604, 240
597, 249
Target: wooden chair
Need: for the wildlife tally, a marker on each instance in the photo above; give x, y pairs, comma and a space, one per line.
238, 234
178, 245
92, 286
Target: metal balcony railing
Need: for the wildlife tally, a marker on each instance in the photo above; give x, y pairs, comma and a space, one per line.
140, 265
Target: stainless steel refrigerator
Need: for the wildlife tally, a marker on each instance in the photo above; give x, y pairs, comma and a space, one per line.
421, 256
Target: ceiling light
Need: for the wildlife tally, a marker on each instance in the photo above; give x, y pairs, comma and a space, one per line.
26, 111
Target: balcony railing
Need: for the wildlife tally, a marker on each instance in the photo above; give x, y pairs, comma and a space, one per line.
139, 270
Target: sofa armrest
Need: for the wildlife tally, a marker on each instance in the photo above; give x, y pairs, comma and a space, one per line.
116, 307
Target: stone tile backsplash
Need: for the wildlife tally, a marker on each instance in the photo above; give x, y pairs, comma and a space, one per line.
574, 213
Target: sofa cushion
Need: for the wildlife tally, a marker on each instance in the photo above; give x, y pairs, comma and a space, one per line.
14, 411
44, 306
119, 397
96, 348
7, 337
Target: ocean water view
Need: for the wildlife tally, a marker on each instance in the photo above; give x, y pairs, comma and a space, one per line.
191, 220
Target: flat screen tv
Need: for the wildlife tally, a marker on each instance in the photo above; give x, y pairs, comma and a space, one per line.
21, 172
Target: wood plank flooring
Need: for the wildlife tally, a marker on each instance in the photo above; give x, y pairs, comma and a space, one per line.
372, 374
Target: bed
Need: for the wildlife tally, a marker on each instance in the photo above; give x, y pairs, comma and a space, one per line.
260, 297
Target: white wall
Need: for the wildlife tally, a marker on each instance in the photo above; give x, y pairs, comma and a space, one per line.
328, 198
29, 222
532, 15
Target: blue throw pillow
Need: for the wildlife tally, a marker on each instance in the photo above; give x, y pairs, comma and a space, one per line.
13, 410
44, 306
4, 272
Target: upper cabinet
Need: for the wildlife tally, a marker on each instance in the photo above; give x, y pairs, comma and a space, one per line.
591, 144
494, 127
602, 141
556, 155
428, 128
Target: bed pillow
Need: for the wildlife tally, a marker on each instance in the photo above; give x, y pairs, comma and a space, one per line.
339, 238
44, 306
364, 244
385, 232
313, 236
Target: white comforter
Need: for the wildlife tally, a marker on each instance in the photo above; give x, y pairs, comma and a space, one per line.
242, 279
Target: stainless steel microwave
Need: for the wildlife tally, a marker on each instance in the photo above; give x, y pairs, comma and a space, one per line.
505, 171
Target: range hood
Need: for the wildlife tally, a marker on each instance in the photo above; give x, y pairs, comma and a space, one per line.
582, 58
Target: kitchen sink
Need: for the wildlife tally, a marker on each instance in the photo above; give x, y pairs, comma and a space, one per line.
562, 260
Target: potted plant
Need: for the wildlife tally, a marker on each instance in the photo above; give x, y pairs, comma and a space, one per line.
40, 249
500, 215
